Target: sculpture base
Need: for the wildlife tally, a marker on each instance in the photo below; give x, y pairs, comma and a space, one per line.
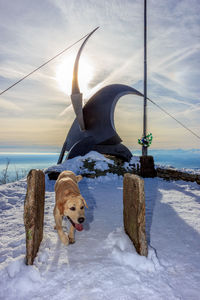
88, 144
147, 168
118, 150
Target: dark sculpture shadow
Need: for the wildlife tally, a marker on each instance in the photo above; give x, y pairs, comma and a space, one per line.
150, 200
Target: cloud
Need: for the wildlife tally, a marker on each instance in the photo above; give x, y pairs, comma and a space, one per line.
67, 110
9, 107
34, 31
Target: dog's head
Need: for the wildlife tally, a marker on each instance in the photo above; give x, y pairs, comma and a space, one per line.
69, 174
74, 209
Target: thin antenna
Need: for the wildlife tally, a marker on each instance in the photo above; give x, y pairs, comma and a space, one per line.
144, 149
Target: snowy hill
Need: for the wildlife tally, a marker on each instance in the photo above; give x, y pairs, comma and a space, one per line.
103, 263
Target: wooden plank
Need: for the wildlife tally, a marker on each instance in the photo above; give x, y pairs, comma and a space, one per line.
134, 212
34, 213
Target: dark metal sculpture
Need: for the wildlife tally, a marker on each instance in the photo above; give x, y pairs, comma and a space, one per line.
93, 128
76, 96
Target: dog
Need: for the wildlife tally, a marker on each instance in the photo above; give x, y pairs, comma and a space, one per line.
69, 202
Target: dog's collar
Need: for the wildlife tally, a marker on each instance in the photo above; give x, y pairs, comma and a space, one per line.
71, 221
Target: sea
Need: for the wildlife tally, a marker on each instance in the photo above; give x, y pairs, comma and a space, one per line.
19, 164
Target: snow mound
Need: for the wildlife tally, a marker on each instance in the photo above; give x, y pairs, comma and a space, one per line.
73, 165
76, 164
92, 163
93, 155
124, 253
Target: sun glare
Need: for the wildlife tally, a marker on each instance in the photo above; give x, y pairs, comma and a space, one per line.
64, 73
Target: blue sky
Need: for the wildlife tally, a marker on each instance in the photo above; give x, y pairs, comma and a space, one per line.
36, 114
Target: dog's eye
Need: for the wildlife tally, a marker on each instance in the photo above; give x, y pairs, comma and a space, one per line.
72, 208
82, 207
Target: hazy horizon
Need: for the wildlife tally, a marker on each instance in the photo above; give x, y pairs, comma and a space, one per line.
43, 152
56, 150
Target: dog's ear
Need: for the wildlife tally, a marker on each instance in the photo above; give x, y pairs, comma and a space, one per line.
79, 178
85, 202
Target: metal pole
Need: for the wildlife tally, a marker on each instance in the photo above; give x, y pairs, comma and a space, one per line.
144, 149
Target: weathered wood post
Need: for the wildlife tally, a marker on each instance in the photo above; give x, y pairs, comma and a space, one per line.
134, 212
34, 213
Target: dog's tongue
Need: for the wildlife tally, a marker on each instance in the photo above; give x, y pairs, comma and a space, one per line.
79, 227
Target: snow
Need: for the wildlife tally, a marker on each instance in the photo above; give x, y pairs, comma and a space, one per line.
195, 171
103, 263
101, 163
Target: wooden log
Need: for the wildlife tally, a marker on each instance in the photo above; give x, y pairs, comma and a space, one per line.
134, 212
34, 213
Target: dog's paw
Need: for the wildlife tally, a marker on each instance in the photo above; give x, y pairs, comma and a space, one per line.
71, 240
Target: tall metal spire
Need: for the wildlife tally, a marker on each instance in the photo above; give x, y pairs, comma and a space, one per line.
144, 149
76, 96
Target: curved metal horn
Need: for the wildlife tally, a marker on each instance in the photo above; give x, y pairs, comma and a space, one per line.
76, 96
101, 134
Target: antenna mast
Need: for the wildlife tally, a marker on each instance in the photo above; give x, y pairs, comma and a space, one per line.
144, 149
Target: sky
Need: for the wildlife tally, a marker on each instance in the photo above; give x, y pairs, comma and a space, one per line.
36, 115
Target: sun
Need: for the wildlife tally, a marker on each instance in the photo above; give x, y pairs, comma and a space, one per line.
64, 74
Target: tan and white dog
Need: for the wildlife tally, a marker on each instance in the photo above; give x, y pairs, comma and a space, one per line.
70, 203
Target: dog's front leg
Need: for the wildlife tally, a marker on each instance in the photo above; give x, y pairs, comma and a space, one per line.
71, 235
58, 220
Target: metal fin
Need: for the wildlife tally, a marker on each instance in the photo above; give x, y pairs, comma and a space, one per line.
76, 96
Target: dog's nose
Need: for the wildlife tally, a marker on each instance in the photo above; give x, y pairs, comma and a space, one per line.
81, 220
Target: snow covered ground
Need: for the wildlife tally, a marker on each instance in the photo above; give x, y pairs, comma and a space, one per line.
103, 263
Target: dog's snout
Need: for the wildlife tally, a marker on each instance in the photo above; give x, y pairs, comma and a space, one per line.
81, 220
